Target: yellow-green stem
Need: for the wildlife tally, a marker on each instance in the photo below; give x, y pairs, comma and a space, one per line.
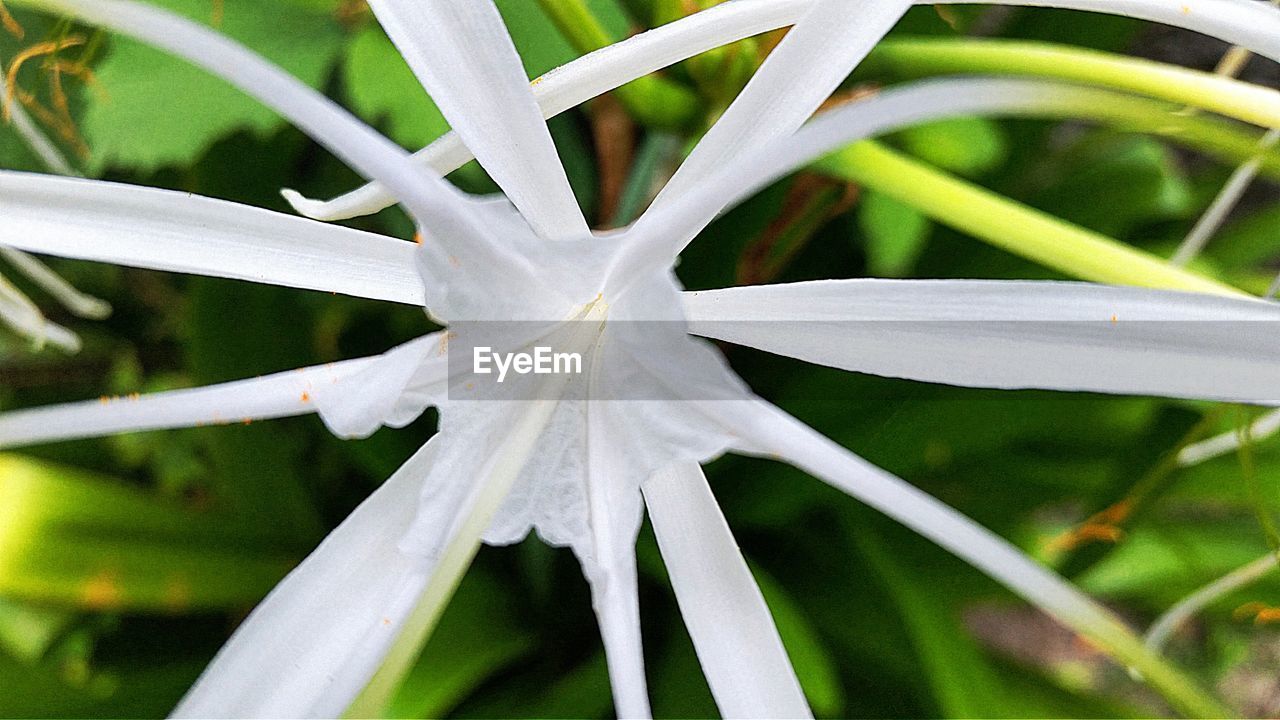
652, 100
1010, 225
918, 57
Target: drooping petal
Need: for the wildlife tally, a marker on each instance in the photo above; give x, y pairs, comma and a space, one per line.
1012, 334
25, 319
1236, 21
284, 394
770, 432
1173, 618
180, 232
353, 397
660, 234
462, 54
76, 302
433, 201
802, 71
310, 647
732, 630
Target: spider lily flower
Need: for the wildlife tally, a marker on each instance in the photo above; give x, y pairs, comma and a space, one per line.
17, 311
566, 456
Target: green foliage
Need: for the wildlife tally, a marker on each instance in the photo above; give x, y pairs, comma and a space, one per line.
380, 85
172, 112
896, 234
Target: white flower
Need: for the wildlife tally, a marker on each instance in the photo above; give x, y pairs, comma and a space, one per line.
562, 455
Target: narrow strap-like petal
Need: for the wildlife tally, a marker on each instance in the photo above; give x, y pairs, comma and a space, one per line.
353, 397
806, 67
181, 232
24, 318
462, 54
76, 302
310, 647
662, 233
1229, 442
1248, 23
284, 394
732, 630
434, 202
610, 567
771, 432
1012, 334
31, 134
1164, 626
1236, 21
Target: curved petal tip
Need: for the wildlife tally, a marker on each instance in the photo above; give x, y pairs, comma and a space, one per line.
314, 209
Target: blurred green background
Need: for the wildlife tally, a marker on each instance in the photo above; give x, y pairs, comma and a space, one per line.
126, 562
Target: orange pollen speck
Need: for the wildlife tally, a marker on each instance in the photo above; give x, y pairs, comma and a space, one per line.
417, 237
306, 397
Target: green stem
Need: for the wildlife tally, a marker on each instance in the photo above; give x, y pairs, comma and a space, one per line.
652, 100
495, 485
1224, 139
1010, 225
917, 57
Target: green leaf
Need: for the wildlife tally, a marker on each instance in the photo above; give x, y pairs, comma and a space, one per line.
380, 85
156, 110
476, 638
28, 631
896, 234
1115, 183
814, 666
967, 146
964, 683
76, 539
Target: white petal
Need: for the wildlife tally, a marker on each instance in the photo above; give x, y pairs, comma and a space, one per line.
353, 397
660, 234
310, 647
771, 432
610, 566
587, 77
25, 319
180, 232
432, 200
1237, 21
801, 72
1250, 24
1216, 215
284, 394
1228, 442
392, 390
1012, 334
73, 300
1165, 625
34, 137
732, 630
462, 54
